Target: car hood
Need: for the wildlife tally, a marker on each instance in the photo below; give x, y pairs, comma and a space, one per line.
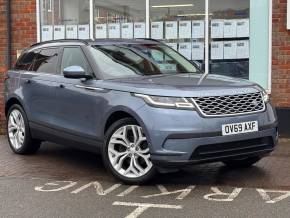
185, 85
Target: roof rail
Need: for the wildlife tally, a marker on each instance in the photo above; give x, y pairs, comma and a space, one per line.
154, 40
161, 41
61, 40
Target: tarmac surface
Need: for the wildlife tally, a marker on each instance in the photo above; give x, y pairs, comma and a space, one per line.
63, 182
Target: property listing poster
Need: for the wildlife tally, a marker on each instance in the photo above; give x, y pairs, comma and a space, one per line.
71, 31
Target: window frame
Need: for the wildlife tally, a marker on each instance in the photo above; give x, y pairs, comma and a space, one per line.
92, 73
288, 15
56, 67
24, 53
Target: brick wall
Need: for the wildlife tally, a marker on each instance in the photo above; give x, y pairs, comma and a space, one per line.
24, 28
23, 15
281, 55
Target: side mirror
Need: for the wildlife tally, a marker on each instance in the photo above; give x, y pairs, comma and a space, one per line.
75, 72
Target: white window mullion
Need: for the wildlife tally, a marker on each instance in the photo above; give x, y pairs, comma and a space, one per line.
206, 36
92, 19
49, 6
147, 18
38, 20
288, 14
53, 18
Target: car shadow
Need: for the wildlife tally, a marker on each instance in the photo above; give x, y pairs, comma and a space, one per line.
68, 163
216, 174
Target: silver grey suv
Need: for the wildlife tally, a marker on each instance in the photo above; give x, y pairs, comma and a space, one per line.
141, 104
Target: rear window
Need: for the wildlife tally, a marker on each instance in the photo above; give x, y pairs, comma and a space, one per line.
25, 61
46, 61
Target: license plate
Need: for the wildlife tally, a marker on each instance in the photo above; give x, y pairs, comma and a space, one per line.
239, 128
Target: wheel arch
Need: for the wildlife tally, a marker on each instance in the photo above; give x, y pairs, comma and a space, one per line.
120, 113
11, 101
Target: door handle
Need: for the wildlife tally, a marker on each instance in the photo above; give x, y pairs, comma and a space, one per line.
61, 86
28, 81
89, 88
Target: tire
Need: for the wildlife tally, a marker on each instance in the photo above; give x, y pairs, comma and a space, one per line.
243, 163
18, 132
125, 157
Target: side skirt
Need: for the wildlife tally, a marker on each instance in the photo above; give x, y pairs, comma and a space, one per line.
45, 133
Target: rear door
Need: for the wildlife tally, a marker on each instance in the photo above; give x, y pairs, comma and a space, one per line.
37, 86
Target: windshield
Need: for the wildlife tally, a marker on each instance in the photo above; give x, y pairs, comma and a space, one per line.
131, 60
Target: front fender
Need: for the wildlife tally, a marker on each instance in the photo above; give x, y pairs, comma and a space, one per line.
120, 108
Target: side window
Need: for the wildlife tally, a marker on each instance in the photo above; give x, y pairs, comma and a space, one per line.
46, 61
74, 56
25, 61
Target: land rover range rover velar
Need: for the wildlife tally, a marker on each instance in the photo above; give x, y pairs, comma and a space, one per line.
140, 103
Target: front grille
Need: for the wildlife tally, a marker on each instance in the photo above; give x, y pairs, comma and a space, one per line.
230, 104
233, 148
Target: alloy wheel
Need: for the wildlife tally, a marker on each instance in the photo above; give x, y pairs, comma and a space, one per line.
129, 152
16, 129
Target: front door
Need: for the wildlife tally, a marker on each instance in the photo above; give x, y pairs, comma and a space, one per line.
76, 101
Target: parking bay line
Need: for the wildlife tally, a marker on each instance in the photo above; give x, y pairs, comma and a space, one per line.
141, 207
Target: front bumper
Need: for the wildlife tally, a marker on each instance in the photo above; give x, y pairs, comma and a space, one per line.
180, 137
219, 148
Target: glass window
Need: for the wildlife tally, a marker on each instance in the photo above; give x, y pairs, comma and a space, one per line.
119, 19
235, 29
46, 61
230, 37
46, 12
239, 39
64, 19
74, 56
130, 60
25, 61
181, 25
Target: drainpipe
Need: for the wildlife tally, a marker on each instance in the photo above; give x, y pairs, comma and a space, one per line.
9, 33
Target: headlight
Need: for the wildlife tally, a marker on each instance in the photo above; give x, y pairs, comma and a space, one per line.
266, 97
166, 102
